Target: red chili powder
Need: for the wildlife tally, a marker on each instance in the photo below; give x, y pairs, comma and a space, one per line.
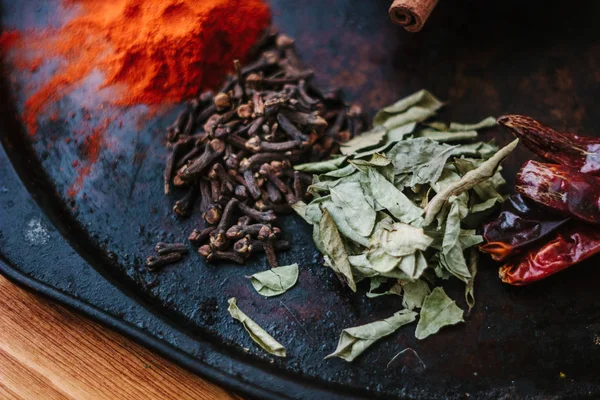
90, 148
154, 51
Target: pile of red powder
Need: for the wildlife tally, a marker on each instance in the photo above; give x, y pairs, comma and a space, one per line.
152, 51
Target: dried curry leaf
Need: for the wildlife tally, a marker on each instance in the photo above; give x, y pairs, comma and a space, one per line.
420, 160
354, 341
437, 312
333, 247
488, 122
414, 294
470, 286
446, 137
258, 334
480, 149
321, 166
275, 281
399, 239
400, 132
376, 283
339, 217
488, 189
422, 98
366, 140
485, 171
393, 200
358, 213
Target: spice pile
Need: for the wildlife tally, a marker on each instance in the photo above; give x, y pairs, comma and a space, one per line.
144, 47
236, 149
400, 209
550, 196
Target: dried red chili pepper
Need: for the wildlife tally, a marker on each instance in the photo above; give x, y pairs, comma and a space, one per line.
518, 226
567, 248
562, 189
580, 152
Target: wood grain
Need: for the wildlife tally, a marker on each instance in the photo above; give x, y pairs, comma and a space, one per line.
48, 352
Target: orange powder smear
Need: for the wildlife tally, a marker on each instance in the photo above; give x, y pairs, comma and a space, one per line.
91, 148
153, 51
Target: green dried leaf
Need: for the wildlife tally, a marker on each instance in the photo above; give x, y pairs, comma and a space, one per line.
413, 114
333, 247
470, 286
393, 200
480, 212
376, 283
311, 212
422, 98
480, 149
342, 172
413, 265
399, 240
452, 230
488, 122
359, 214
446, 137
364, 141
339, 217
468, 238
420, 160
485, 171
258, 334
454, 262
367, 153
488, 189
452, 257
377, 160
321, 166
362, 268
275, 281
353, 341
438, 311
400, 132
414, 294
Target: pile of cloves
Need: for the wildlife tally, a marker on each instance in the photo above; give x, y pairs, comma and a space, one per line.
235, 150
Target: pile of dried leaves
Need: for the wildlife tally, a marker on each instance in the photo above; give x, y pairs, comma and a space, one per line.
400, 209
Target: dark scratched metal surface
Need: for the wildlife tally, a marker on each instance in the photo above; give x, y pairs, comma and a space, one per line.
484, 58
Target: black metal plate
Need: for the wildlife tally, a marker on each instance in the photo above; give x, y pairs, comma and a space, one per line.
87, 251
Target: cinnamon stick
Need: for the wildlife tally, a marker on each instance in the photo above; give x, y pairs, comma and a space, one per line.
411, 14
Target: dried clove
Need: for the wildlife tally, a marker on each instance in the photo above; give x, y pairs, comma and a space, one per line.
290, 129
267, 216
276, 208
243, 246
215, 255
213, 215
177, 127
218, 238
267, 172
266, 236
163, 248
155, 262
261, 158
213, 150
222, 101
238, 231
273, 194
251, 184
185, 206
278, 245
199, 236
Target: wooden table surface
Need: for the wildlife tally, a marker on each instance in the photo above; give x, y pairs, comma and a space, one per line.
48, 352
